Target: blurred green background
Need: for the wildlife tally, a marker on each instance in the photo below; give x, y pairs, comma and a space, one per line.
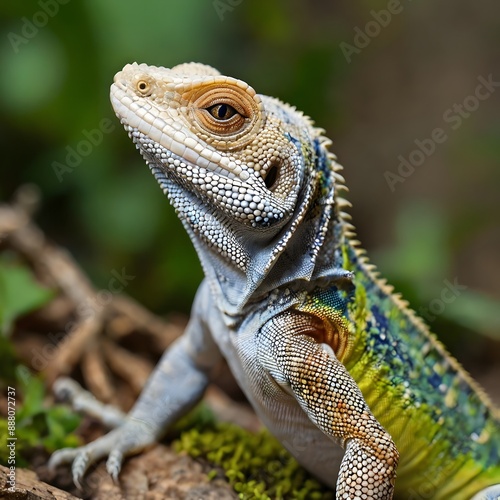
441, 223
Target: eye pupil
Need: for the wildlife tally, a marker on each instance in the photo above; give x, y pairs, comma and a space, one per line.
143, 86
222, 111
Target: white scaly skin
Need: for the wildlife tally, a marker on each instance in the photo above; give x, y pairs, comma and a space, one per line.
256, 189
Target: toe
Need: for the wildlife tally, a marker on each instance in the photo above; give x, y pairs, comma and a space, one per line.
79, 467
114, 464
64, 456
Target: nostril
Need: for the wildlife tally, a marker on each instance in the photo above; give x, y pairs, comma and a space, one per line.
271, 176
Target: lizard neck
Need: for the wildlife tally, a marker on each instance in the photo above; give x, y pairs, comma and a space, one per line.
305, 252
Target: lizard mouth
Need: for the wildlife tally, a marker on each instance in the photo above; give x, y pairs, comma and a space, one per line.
139, 115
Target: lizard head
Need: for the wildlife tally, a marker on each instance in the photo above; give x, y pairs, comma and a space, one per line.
242, 170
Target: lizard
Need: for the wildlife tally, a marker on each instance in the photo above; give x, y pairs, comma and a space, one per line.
333, 361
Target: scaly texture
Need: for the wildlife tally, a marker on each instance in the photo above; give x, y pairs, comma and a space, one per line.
329, 358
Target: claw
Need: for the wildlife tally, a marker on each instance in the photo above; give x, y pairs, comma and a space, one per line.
79, 467
63, 456
77, 481
132, 436
114, 464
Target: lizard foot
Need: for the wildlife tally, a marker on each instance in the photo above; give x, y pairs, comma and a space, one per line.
69, 391
131, 437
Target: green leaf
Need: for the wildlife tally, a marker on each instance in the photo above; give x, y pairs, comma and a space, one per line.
61, 422
38, 425
8, 361
20, 293
34, 394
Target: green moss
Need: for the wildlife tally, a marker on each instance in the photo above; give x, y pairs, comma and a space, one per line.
256, 465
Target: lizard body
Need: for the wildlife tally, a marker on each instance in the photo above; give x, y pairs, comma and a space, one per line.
336, 365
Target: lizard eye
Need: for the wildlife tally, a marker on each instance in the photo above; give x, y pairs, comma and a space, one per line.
143, 87
223, 118
222, 111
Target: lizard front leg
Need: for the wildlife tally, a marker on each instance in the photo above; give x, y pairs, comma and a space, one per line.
175, 386
330, 397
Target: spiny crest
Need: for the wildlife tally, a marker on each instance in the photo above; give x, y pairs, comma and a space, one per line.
372, 273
